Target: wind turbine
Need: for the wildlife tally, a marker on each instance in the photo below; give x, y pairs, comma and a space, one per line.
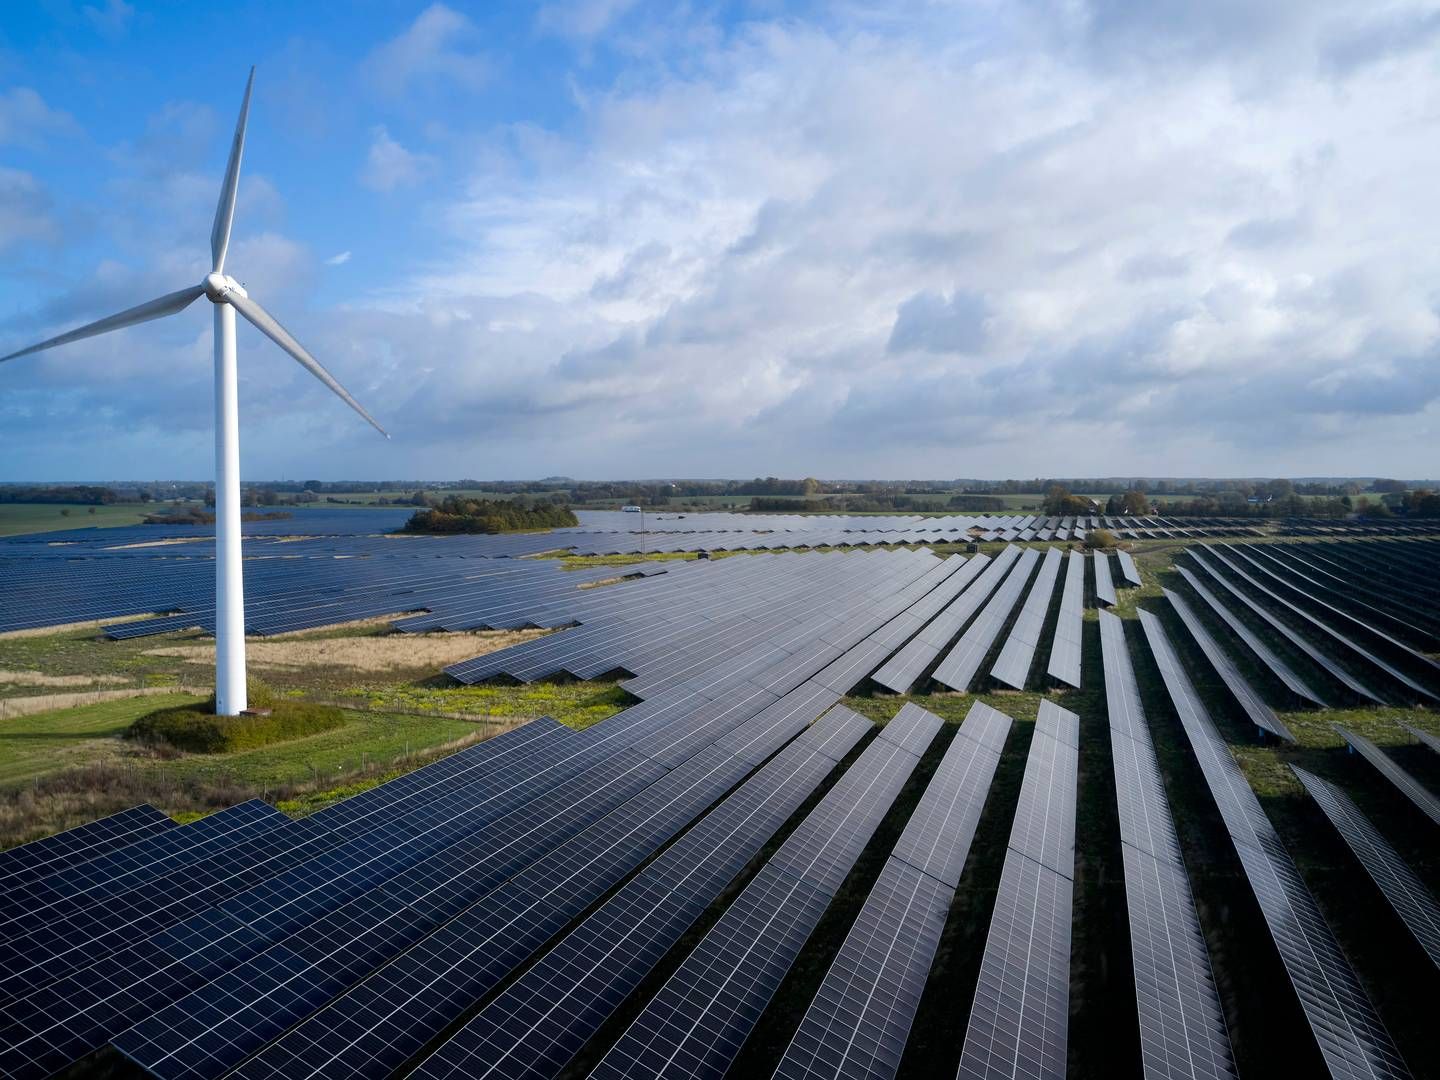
228, 297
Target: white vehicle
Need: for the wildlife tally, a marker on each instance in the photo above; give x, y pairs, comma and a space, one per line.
631, 509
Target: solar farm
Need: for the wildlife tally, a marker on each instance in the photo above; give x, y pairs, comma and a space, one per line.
880, 796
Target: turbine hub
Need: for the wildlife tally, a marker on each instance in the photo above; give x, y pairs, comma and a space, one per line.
218, 286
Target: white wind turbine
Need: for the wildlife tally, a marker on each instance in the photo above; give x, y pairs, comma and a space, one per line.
228, 297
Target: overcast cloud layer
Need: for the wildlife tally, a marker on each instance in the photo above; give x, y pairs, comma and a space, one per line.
953, 240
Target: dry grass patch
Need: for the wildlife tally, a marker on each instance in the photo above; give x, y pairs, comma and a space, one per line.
391, 652
85, 624
28, 706
36, 678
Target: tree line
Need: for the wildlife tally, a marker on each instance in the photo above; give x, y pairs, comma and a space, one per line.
456, 514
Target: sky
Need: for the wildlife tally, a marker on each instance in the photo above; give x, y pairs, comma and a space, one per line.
612, 238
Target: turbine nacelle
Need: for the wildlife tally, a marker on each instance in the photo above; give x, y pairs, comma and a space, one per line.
219, 287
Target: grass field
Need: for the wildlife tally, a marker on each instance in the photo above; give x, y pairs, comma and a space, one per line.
18, 518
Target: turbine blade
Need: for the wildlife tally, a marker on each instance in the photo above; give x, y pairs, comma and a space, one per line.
261, 319
158, 308
225, 211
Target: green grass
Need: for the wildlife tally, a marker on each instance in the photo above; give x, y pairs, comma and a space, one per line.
42, 743
577, 704
18, 518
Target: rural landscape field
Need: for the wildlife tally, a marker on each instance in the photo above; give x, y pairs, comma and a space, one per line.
648, 541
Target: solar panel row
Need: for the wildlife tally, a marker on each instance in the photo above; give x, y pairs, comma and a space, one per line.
1182, 1024
901, 671
860, 1019
1423, 799
1295, 640
1012, 667
1020, 1015
963, 660
1406, 893
697, 1022
1104, 584
41, 858
1251, 703
538, 1023
1064, 665
1351, 1037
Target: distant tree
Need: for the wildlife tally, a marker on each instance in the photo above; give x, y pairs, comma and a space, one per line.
1099, 539
1136, 503
810, 486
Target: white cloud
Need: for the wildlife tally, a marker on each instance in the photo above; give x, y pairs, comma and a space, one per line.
389, 165
26, 120
441, 45
111, 18
933, 244
581, 19
339, 259
24, 208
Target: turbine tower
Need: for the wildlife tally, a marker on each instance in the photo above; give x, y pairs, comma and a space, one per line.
225, 293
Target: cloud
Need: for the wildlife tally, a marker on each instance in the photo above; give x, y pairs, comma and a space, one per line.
581, 19
440, 46
25, 119
939, 324
389, 165
25, 208
111, 19
1179, 244
338, 259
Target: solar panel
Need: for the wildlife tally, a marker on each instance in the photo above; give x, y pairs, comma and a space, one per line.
699, 1019
1318, 624
860, 1018
548, 1014
1012, 667
1424, 799
1020, 1015
1327, 665
1260, 714
40, 858
1407, 894
1182, 1024
1104, 584
1064, 664
1349, 1032
968, 653
1128, 573
1267, 656
1425, 738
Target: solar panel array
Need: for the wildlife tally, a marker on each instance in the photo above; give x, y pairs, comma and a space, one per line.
1233, 558
543, 1019
906, 666
1104, 584
1407, 894
960, 664
1064, 663
1182, 1024
1422, 797
860, 1019
1266, 655
30, 862
1012, 666
1295, 640
1021, 1012
697, 1022
411, 899
1251, 703
320, 567
1348, 1031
